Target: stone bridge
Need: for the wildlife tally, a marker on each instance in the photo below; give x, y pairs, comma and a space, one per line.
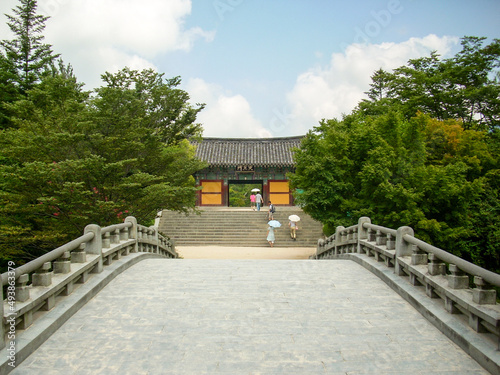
117, 301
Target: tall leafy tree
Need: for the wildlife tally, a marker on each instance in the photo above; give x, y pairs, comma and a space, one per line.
73, 159
464, 87
9, 91
132, 98
422, 150
380, 87
27, 52
430, 174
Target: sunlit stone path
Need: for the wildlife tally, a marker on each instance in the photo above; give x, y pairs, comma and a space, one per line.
248, 317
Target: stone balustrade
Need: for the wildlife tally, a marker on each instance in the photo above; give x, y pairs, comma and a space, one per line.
465, 289
57, 273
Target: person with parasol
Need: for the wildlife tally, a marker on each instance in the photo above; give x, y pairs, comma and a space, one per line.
252, 199
272, 225
293, 226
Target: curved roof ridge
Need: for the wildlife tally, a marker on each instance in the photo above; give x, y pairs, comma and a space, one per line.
295, 137
264, 152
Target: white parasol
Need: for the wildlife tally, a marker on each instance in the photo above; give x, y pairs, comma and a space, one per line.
274, 224
294, 218
255, 190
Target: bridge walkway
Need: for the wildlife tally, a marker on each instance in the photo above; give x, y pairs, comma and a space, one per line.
196, 316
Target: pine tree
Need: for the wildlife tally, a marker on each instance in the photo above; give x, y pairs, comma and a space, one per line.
9, 92
30, 57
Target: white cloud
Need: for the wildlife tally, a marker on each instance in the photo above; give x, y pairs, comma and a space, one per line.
89, 67
225, 115
330, 91
98, 36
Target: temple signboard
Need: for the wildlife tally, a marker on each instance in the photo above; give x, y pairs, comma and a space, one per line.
245, 168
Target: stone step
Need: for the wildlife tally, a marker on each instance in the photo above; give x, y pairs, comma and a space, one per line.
228, 227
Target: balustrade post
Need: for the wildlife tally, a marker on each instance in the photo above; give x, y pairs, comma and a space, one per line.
79, 256
390, 243
43, 276
124, 234
344, 236
354, 247
156, 239
435, 266
140, 244
149, 235
63, 264
164, 246
483, 294
133, 232
320, 247
116, 236
403, 248
371, 235
362, 233
95, 245
371, 238
419, 256
106, 240
171, 246
458, 279
338, 239
22, 288
380, 238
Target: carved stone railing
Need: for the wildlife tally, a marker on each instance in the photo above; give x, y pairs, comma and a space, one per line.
37, 286
463, 289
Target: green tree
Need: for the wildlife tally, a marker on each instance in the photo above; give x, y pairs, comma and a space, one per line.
27, 53
72, 160
432, 175
239, 194
131, 98
9, 92
422, 150
464, 87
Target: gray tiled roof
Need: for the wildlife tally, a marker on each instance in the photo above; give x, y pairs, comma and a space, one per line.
259, 152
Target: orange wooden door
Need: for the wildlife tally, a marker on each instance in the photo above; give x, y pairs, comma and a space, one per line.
211, 192
279, 192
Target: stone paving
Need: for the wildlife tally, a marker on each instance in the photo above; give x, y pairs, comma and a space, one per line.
248, 317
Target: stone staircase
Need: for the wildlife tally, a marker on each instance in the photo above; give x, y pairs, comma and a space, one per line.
240, 227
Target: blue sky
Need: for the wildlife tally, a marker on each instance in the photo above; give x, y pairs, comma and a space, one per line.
263, 68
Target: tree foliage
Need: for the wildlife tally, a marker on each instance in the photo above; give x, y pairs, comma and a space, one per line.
464, 87
422, 151
28, 55
73, 159
429, 174
8, 90
69, 157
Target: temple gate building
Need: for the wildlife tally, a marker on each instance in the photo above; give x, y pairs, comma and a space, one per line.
262, 161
